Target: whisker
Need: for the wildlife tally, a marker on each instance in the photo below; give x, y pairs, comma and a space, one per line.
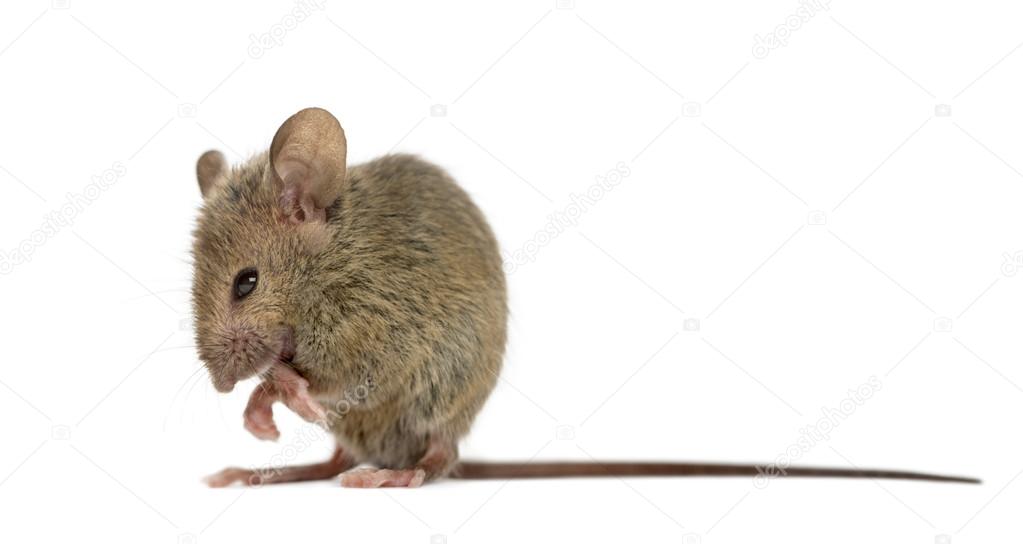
188, 394
195, 374
171, 348
155, 294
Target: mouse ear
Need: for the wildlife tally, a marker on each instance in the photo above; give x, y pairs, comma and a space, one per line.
307, 157
210, 169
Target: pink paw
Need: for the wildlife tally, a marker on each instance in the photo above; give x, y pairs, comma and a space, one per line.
382, 477
293, 391
232, 475
262, 432
259, 417
281, 384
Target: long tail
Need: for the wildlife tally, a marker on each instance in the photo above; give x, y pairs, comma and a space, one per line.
558, 469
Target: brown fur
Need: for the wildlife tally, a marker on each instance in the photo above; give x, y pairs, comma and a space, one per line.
398, 292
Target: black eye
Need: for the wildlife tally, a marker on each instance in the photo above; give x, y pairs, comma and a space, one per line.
245, 283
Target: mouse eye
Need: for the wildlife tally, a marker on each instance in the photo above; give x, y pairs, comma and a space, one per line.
245, 283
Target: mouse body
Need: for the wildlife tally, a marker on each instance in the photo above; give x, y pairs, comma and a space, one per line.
375, 292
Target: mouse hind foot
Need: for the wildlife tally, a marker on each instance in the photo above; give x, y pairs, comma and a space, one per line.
440, 457
383, 477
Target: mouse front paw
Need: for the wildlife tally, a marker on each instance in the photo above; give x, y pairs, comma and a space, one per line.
293, 391
259, 417
285, 385
261, 429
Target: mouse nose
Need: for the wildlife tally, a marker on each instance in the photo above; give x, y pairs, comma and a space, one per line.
242, 340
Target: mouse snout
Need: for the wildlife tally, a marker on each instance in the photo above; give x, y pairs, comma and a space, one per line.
239, 353
244, 351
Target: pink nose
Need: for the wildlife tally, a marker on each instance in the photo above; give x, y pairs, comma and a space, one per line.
241, 340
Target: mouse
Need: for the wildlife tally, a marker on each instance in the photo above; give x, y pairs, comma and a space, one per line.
369, 299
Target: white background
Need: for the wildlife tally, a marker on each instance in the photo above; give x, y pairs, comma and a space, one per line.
806, 210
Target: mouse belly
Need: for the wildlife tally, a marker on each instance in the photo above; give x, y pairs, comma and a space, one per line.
398, 431
378, 436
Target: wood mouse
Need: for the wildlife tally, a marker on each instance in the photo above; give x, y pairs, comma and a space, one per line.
370, 299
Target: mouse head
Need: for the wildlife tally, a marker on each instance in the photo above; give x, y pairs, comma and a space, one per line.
260, 230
